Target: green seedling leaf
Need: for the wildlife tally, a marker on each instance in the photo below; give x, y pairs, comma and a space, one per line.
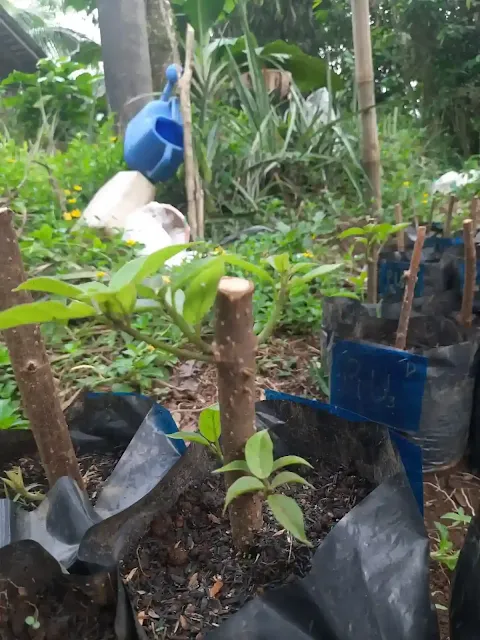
259, 454
146, 292
246, 484
399, 227
303, 266
236, 261
123, 301
286, 477
51, 285
189, 437
288, 461
40, 312
320, 271
209, 423
201, 293
280, 263
354, 231
236, 465
30, 621
289, 515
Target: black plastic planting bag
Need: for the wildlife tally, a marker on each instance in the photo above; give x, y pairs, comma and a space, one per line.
369, 578
426, 391
66, 533
453, 266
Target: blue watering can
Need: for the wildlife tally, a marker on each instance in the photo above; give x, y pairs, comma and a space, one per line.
153, 143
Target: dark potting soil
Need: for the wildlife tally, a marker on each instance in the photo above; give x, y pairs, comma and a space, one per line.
95, 469
62, 612
185, 577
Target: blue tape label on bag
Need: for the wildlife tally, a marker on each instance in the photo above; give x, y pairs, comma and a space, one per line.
379, 383
391, 279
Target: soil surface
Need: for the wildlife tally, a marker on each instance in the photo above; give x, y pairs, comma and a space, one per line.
444, 494
185, 577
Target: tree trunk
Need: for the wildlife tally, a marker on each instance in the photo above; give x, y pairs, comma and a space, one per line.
32, 368
235, 354
366, 98
128, 73
162, 40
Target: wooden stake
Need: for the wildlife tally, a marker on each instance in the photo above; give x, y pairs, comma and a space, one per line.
235, 351
32, 368
474, 205
447, 232
195, 196
400, 234
411, 280
466, 316
366, 98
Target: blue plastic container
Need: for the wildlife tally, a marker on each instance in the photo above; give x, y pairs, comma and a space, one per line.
153, 142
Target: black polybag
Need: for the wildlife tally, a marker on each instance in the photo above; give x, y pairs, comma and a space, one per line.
68, 533
369, 578
425, 392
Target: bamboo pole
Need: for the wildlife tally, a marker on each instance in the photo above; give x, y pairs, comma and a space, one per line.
400, 234
474, 205
411, 280
32, 368
193, 185
235, 355
447, 231
366, 98
466, 316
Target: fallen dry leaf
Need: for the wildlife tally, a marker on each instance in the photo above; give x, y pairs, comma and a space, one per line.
215, 588
141, 615
193, 582
153, 615
131, 574
184, 623
214, 519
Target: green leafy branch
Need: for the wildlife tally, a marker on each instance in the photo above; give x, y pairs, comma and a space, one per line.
185, 296
373, 237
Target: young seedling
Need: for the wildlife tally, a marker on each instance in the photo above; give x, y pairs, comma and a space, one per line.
209, 431
373, 237
445, 554
263, 475
13, 480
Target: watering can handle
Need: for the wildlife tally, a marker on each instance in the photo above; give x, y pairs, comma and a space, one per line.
173, 73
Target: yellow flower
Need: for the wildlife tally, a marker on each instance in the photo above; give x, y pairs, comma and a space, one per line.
406, 183
76, 213
11, 160
166, 279
101, 274
218, 250
113, 139
424, 201
131, 242
150, 347
67, 216
67, 192
425, 195
72, 200
307, 254
77, 187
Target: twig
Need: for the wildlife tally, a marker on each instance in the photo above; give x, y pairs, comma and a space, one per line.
470, 273
192, 178
400, 234
474, 214
185, 328
411, 280
447, 231
183, 354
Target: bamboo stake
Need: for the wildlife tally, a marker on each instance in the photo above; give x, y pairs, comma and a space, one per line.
466, 316
32, 368
400, 234
235, 355
411, 280
447, 232
195, 196
474, 214
366, 98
